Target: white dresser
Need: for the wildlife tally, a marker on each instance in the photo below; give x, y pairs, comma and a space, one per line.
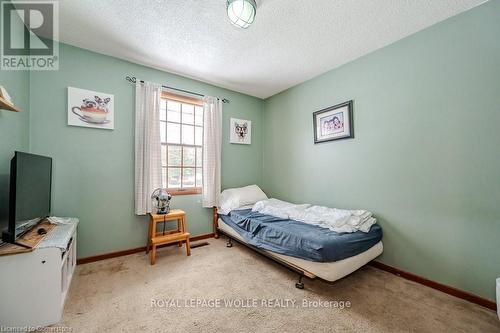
34, 285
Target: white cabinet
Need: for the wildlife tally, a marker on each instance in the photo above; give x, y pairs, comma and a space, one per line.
34, 285
498, 297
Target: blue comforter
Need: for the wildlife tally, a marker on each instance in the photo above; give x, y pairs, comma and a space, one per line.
298, 239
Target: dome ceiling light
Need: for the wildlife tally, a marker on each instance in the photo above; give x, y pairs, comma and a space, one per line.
241, 13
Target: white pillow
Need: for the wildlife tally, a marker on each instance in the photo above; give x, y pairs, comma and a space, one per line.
234, 198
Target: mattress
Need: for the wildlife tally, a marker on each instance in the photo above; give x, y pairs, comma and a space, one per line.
329, 271
298, 239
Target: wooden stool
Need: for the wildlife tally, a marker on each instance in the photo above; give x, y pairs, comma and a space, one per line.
173, 236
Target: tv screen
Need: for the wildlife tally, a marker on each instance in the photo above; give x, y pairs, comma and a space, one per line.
30, 192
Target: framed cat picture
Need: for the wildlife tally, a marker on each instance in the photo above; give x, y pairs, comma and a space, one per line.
240, 131
89, 108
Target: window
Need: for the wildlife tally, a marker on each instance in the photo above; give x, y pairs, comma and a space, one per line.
181, 127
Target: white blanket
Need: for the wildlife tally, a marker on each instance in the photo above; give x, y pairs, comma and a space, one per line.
338, 220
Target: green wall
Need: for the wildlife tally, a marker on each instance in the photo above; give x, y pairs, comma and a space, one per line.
94, 169
14, 131
425, 158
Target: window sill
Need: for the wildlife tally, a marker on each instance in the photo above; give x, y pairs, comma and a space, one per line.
187, 191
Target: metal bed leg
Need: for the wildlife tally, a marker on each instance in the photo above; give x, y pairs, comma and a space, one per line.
300, 284
229, 242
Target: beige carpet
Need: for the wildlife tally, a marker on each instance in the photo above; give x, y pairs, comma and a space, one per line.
115, 296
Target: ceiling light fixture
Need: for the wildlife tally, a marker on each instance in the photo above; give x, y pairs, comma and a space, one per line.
241, 13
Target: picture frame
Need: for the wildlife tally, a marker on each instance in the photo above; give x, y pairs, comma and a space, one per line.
87, 108
240, 131
334, 123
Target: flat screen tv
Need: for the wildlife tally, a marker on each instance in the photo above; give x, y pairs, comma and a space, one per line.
30, 192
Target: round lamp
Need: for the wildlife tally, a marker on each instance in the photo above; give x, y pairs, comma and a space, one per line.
241, 13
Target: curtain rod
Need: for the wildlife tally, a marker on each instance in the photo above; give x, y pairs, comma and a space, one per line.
133, 79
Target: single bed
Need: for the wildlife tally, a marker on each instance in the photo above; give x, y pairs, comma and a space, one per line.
328, 271
290, 237
309, 250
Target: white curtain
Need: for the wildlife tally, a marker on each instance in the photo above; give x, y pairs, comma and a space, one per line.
148, 175
212, 138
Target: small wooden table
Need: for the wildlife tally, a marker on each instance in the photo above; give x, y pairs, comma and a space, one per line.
172, 236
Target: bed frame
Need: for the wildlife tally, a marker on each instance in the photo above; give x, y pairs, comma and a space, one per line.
302, 272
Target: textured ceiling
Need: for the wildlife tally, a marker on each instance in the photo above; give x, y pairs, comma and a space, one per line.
290, 41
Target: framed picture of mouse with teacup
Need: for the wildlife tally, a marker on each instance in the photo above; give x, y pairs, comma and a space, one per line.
89, 108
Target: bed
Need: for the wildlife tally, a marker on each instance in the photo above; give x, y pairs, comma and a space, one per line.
309, 250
